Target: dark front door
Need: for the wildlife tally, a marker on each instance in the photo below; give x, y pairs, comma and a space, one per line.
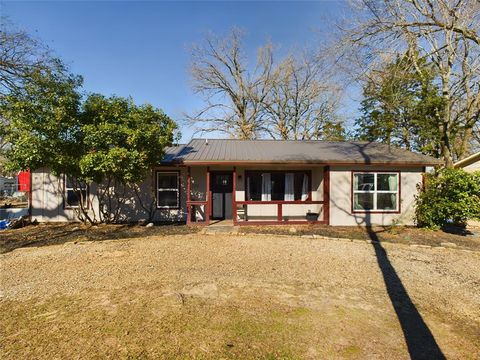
221, 188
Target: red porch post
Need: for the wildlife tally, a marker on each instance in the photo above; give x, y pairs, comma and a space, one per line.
326, 195
234, 195
208, 205
189, 180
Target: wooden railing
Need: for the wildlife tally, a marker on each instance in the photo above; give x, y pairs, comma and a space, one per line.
280, 218
190, 212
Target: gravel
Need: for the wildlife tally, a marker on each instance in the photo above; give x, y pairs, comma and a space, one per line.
443, 283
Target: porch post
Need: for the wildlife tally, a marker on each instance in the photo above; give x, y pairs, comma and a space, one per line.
234, 195
189, 180
326, 195
208, 206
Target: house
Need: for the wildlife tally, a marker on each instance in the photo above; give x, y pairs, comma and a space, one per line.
469, 164
262, 182
7, 186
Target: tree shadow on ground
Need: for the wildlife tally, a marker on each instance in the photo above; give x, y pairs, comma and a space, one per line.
57, 234
420, 341
418, 337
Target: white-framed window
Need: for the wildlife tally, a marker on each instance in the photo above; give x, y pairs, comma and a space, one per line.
277, 185
75, 192
376, 191
168, 190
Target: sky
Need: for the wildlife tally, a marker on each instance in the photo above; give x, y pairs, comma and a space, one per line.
141, 49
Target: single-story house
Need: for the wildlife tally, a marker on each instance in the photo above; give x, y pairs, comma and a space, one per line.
262, 182
469, 164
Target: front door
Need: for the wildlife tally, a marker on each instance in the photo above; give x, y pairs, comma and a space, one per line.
221, 188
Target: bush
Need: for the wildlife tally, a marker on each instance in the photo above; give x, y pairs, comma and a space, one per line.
449, 197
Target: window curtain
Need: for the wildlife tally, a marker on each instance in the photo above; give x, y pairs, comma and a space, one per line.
289, 187
266, 187
392, 186
305, 187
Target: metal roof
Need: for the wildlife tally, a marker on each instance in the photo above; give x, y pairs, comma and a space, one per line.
468, 160
218, 151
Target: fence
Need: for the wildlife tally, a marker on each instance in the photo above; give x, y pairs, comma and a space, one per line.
14, 199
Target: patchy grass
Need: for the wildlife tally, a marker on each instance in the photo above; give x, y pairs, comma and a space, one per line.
150, 325
54, 234
395, 234
233, 297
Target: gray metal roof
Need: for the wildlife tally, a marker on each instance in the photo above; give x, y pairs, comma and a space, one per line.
217, 151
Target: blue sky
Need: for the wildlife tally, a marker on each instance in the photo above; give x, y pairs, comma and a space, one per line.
140, 49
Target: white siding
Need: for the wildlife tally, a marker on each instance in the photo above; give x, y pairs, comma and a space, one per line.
341, 197
47, 200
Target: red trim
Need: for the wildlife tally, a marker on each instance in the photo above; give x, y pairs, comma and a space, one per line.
309, 175
191, 203
424, 171
326, 195
399, 200
227, 172
298, 163
208, 206
276, 222
283, 202
234, 195
189, 179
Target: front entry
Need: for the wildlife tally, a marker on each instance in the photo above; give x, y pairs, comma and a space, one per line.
221, 189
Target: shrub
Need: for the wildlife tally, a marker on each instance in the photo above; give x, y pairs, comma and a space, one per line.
449, 197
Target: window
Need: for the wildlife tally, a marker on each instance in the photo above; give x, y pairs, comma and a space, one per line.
277, 186
168, 190
375, 191
75, 191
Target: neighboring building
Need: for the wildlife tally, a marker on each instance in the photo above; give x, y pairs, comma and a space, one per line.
469, 164
7, 186
263, 182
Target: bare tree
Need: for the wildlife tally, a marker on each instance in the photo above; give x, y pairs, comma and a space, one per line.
302, 103
20, 56
289, 100
446, 33
232, 91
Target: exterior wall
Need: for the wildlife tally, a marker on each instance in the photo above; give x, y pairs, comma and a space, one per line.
269, 211
341, 197
47, 199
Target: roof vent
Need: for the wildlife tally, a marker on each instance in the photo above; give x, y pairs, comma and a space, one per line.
206, 141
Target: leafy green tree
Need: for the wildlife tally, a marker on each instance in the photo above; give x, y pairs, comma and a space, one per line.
123, 142
108, 141
450, 197
401, 107
43, 128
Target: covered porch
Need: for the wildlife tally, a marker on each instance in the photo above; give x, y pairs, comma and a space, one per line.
257, 194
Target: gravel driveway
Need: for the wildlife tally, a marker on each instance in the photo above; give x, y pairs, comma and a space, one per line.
199, 296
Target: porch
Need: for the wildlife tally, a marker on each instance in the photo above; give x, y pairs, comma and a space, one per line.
257, 195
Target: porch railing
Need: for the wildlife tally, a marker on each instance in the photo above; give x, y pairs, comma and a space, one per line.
282, 214
198, 212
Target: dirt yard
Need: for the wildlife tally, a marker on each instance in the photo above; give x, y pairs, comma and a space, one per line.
248, 297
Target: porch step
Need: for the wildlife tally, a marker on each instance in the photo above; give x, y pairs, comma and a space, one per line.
212, 230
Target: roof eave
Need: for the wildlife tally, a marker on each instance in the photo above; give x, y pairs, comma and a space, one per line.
302, 162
